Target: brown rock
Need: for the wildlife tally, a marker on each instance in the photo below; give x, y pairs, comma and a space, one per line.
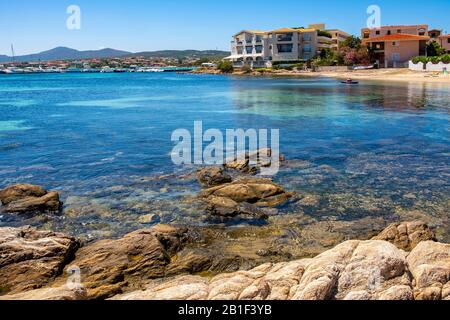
367, 270
25, 198
30, 259
214, 176
251, 162
251, 190
107, 266
228, 208
406, 235
53, 294
19, 192
429, 264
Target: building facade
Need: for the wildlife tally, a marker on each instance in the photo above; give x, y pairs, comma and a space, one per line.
394, 46
444, 41
261, 49
337, 36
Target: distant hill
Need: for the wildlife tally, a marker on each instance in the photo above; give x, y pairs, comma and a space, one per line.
181, 54
63, 53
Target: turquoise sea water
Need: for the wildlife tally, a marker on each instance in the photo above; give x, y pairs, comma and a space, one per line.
104, 140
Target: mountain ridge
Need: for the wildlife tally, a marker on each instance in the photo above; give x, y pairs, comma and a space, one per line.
65, 53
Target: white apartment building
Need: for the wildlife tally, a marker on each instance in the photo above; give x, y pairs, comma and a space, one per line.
260, 49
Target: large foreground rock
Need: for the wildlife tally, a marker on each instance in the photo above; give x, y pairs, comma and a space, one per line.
29, 199
354, 270
30, 259
53, 294
429, 263
406, 235
108, 266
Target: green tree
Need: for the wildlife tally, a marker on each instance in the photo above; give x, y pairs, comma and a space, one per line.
352, 42
434, 49
225, 66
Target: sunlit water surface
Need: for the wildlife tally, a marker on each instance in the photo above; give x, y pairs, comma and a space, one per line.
104, 140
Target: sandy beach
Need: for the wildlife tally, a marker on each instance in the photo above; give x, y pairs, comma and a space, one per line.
396, 75
403, 75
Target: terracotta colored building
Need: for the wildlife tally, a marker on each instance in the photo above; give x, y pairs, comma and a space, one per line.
394, 46
444, 41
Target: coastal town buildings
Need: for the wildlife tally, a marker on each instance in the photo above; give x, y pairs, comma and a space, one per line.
262, 48
337, 36
444, 41
394, 46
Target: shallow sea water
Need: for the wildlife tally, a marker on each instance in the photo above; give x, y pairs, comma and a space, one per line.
378, 150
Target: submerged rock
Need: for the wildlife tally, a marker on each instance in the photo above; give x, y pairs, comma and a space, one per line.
406, 235
31, 259
214, 176
252, 162
228, 208
29, 199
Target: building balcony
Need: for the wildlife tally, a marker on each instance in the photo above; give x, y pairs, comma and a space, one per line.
324, 39
284, 40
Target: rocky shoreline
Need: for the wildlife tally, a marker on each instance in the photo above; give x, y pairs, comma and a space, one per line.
404, 262
156, 263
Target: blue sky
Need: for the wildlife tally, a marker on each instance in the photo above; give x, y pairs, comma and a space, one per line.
140, 25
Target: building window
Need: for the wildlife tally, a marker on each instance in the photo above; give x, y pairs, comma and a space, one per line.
389, 32
395, 44
285, 48
448, 40
285, 37
399, 31
377, 33
307, 48
306, 37
421, 32
366, 35
249, 50
258, 49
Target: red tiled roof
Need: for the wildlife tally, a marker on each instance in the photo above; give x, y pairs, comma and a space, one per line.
397, 37
401, 26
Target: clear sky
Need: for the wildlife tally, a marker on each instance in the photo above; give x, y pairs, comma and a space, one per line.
141, 25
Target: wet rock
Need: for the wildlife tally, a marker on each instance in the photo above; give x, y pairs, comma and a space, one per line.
246, 196
29, 199
227, 208
251, 190
251, 162
53, 294
173, 239
354, 270
429, 264
108, 266
189, 261
406, 235
214, 176
30, 259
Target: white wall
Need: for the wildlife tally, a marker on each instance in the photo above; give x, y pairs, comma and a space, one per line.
439, 67
416, 67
